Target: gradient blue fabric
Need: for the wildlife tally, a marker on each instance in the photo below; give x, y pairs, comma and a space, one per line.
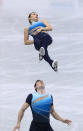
41, 106
35, 26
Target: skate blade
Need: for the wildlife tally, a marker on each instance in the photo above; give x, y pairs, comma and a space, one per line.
42, 51
55, 66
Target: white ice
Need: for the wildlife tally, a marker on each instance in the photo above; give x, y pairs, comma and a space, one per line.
20, 67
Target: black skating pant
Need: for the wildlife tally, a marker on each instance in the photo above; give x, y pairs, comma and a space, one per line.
40, 127
43, 39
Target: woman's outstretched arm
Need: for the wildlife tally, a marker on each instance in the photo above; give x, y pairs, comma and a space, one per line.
26, 37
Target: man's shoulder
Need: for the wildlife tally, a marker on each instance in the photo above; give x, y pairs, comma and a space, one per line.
29, 95
29, 98
49, 94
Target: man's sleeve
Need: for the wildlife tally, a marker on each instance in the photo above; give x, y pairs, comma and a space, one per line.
28, 99
52, 101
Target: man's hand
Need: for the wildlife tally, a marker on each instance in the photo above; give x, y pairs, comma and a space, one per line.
66, 121
17, 127
57, 117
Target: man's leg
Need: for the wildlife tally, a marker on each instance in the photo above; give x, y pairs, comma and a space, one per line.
33, 127
50, 128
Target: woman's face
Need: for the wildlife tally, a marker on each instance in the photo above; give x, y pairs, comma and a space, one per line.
34, 17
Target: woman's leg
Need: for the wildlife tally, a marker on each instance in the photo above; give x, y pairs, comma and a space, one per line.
44, 40
46, 57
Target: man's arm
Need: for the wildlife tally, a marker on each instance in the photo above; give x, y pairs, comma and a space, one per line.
57, 117
26, 37
20, 115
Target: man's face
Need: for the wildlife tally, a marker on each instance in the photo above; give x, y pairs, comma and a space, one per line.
40, 85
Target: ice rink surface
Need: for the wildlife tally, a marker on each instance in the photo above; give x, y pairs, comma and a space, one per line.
20, 67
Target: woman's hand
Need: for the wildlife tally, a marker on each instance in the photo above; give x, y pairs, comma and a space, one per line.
40, 29
66, 121
17, 127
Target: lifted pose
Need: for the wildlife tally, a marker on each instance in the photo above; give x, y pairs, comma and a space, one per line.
41, 39
42, 106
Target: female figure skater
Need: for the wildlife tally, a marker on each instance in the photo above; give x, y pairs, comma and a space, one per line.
41, 39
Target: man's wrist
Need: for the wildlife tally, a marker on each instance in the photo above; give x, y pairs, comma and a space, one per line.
63, 120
